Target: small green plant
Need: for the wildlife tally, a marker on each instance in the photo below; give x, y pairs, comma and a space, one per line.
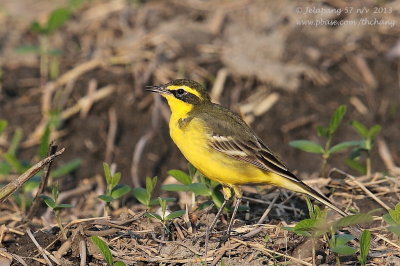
3, 125
144, 195
392, 218
114, 190
165, 216
317, 226
105, 251
365, 146
196, 183
51, 202
10, 164
365, 243
326, 132
49, 57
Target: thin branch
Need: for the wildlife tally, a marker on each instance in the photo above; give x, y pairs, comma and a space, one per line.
36, 202
7, 190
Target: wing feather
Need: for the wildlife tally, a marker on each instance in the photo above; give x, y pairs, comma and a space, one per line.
251, 151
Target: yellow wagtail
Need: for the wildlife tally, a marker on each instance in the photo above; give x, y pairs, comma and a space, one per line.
223, 147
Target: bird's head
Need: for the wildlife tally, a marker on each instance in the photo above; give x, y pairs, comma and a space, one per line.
182, 95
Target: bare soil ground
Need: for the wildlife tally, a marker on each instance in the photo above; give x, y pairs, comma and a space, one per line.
285, 79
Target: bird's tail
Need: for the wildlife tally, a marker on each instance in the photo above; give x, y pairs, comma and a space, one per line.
321, 198
290, 181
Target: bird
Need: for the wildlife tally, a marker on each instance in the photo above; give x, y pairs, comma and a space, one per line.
219, 144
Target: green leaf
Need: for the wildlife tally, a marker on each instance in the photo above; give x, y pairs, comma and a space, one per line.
337, 118
55, 192
150, 184
199, 189
354, 219
13, 162
395, 214
76, 4
66, 168
192, 170
104, 249
155, 202
62, 206
306, 225
3, 125
356, 166
57, 19
174, 215
356, 152
180, 176
37, 28
16, 139
308, 146
5, 168
394, 229
389, 220
115, 179
343, 239
141, 195
55, 52
153, 215
107, 173
163, 204
343, 146
175, 187
120, 190
360, 128
322, 131
27, 49
119, 263
365, 242
106, 198
344, 250
31, 184
374, 131
217, 197
49, 201
44, 142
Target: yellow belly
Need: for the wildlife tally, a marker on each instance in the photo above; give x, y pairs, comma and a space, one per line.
213, 164
192, 142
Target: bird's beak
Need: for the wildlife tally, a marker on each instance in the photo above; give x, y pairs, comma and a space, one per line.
158, 89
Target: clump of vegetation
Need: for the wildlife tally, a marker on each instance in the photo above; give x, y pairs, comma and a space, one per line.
114, 189
327, 133
144, 195
165, 215
49, 57
11, 164
105, 251
364, 146
196, 183
392, 218
318, 225
51, 202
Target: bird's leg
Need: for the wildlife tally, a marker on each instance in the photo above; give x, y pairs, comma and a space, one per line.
226, 191
228, 231
238, 194
211, 227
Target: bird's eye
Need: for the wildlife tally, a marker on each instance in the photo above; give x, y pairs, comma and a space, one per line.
180, 92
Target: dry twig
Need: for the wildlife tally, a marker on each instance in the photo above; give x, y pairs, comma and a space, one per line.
7, 190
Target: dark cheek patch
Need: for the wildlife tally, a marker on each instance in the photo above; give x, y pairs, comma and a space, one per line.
187, 97
190, 98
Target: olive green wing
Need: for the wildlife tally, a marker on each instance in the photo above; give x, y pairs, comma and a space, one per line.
229, 134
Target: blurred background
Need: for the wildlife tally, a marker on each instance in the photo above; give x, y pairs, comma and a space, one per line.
75, 71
